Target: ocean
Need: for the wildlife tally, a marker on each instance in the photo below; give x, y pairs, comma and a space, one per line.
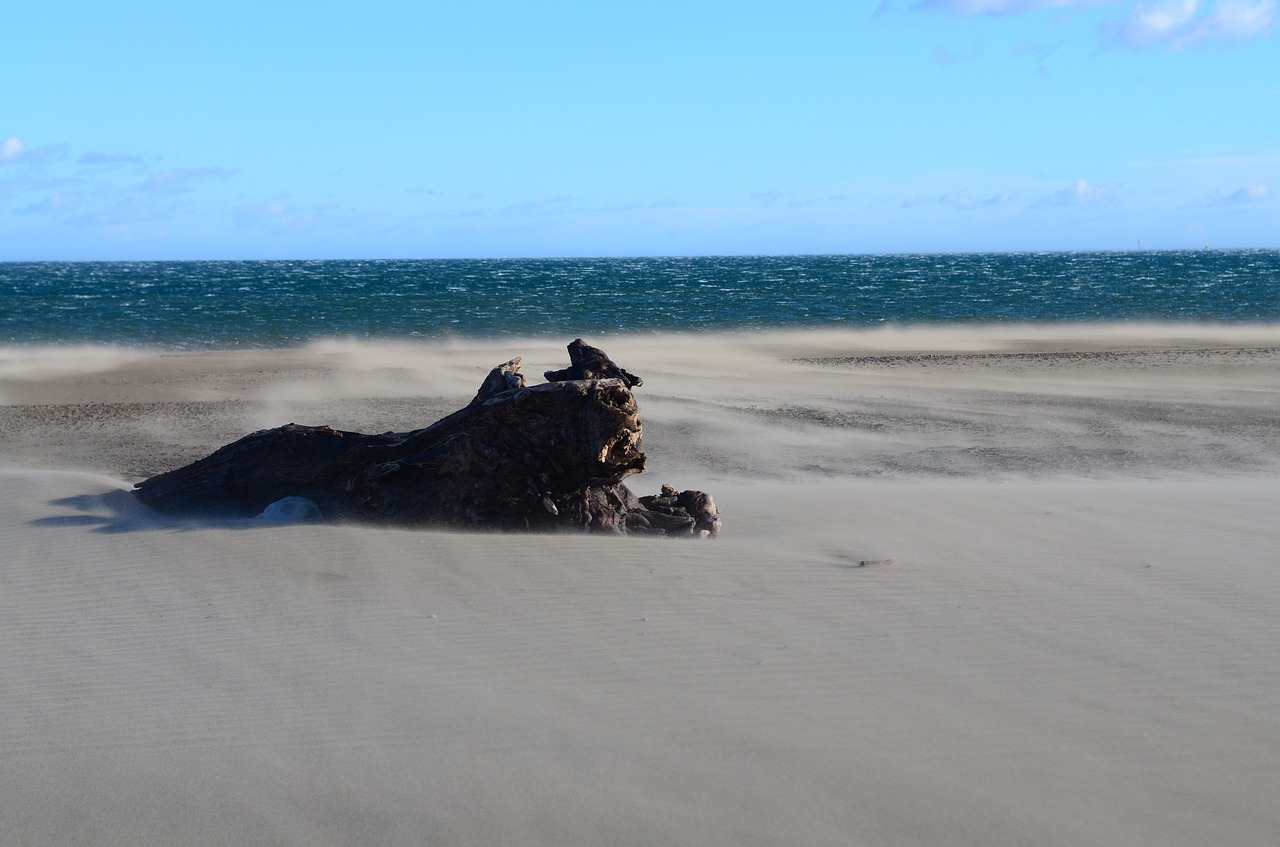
229, 304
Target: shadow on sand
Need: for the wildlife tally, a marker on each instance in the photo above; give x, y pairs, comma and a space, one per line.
120, 511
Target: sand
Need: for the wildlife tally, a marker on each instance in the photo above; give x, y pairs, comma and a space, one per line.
975, 587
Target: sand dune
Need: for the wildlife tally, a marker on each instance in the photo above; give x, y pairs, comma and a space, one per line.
1066, 636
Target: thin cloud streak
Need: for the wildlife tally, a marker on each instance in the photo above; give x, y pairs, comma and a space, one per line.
971, 8
181, 180
101, 159
961, 201
1170, 23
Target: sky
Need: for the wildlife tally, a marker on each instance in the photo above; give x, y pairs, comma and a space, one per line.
140, 130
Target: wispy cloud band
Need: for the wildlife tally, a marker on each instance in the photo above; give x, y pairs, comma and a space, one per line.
968, 8
1186, 23
1170, 23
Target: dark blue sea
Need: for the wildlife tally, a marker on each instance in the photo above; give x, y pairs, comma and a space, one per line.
208, 305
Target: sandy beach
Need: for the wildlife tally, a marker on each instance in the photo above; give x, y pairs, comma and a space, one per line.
998, 586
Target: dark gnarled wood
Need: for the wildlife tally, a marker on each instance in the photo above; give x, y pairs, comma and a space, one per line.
542, 457
587, 362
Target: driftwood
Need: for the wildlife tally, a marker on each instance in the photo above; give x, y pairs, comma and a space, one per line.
548, 456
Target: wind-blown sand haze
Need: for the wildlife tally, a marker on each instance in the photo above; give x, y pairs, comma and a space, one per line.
1010, 585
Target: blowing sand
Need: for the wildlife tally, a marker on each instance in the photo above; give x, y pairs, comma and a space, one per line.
975, 587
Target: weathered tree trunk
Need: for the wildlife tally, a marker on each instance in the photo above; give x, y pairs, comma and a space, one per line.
541, 457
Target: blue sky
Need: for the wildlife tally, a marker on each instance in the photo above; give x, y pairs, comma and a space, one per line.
141, 130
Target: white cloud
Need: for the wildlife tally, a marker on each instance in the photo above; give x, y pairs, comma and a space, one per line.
1240, 19
1080, 193
1250, 194
1155, 22
1174, 23
1184, 23
12, 149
